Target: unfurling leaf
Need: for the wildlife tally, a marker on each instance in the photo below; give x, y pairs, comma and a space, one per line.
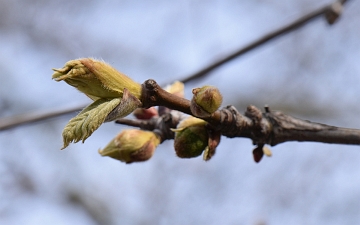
88, 120
115, 95
100, 111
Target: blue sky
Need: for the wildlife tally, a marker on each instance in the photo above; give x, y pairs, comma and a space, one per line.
312, 73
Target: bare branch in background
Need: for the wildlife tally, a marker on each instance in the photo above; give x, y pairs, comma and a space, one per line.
331, 13
14, 121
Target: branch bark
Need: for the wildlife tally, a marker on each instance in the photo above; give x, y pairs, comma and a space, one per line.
269, 127
330, 11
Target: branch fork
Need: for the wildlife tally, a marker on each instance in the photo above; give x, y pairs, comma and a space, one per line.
268, 127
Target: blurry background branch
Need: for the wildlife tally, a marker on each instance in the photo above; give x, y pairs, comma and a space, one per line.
331, 13
13, 121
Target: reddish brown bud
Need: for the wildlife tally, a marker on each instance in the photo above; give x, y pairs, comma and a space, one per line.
213, 142
145, 114
258, 154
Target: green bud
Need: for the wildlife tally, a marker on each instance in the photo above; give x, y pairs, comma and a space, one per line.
96, 79
191, 138
132, 146
205, 101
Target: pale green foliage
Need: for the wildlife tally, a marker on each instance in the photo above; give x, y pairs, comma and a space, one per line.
115, 95
88, 120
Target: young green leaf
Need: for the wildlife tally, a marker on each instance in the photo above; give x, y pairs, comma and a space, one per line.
88, 120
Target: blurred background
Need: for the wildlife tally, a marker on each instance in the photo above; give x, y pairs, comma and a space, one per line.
312, 73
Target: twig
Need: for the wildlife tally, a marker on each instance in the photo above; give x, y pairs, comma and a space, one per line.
161, 125
327, 10
14, 121
270, 127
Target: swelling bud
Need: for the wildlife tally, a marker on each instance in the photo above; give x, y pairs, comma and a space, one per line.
132, 146
96, 79
145, 114
205, 101
191, 138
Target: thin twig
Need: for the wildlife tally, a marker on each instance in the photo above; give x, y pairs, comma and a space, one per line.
270, 127
263, 40
14, 121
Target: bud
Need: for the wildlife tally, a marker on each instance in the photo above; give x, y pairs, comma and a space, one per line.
96, 79
189, 121
333, 13
206, 100
191, 138
145, 114
267, 151
132, 146
258, 154
115, 95
214, 140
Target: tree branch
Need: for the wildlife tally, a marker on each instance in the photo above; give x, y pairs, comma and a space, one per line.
262, 128
14, 121
331, 12
287, 128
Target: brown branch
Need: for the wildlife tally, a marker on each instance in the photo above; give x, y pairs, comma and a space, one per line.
287, 128
153, 95
330, 11
262, 128
161, 125
143, 124
14, 121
